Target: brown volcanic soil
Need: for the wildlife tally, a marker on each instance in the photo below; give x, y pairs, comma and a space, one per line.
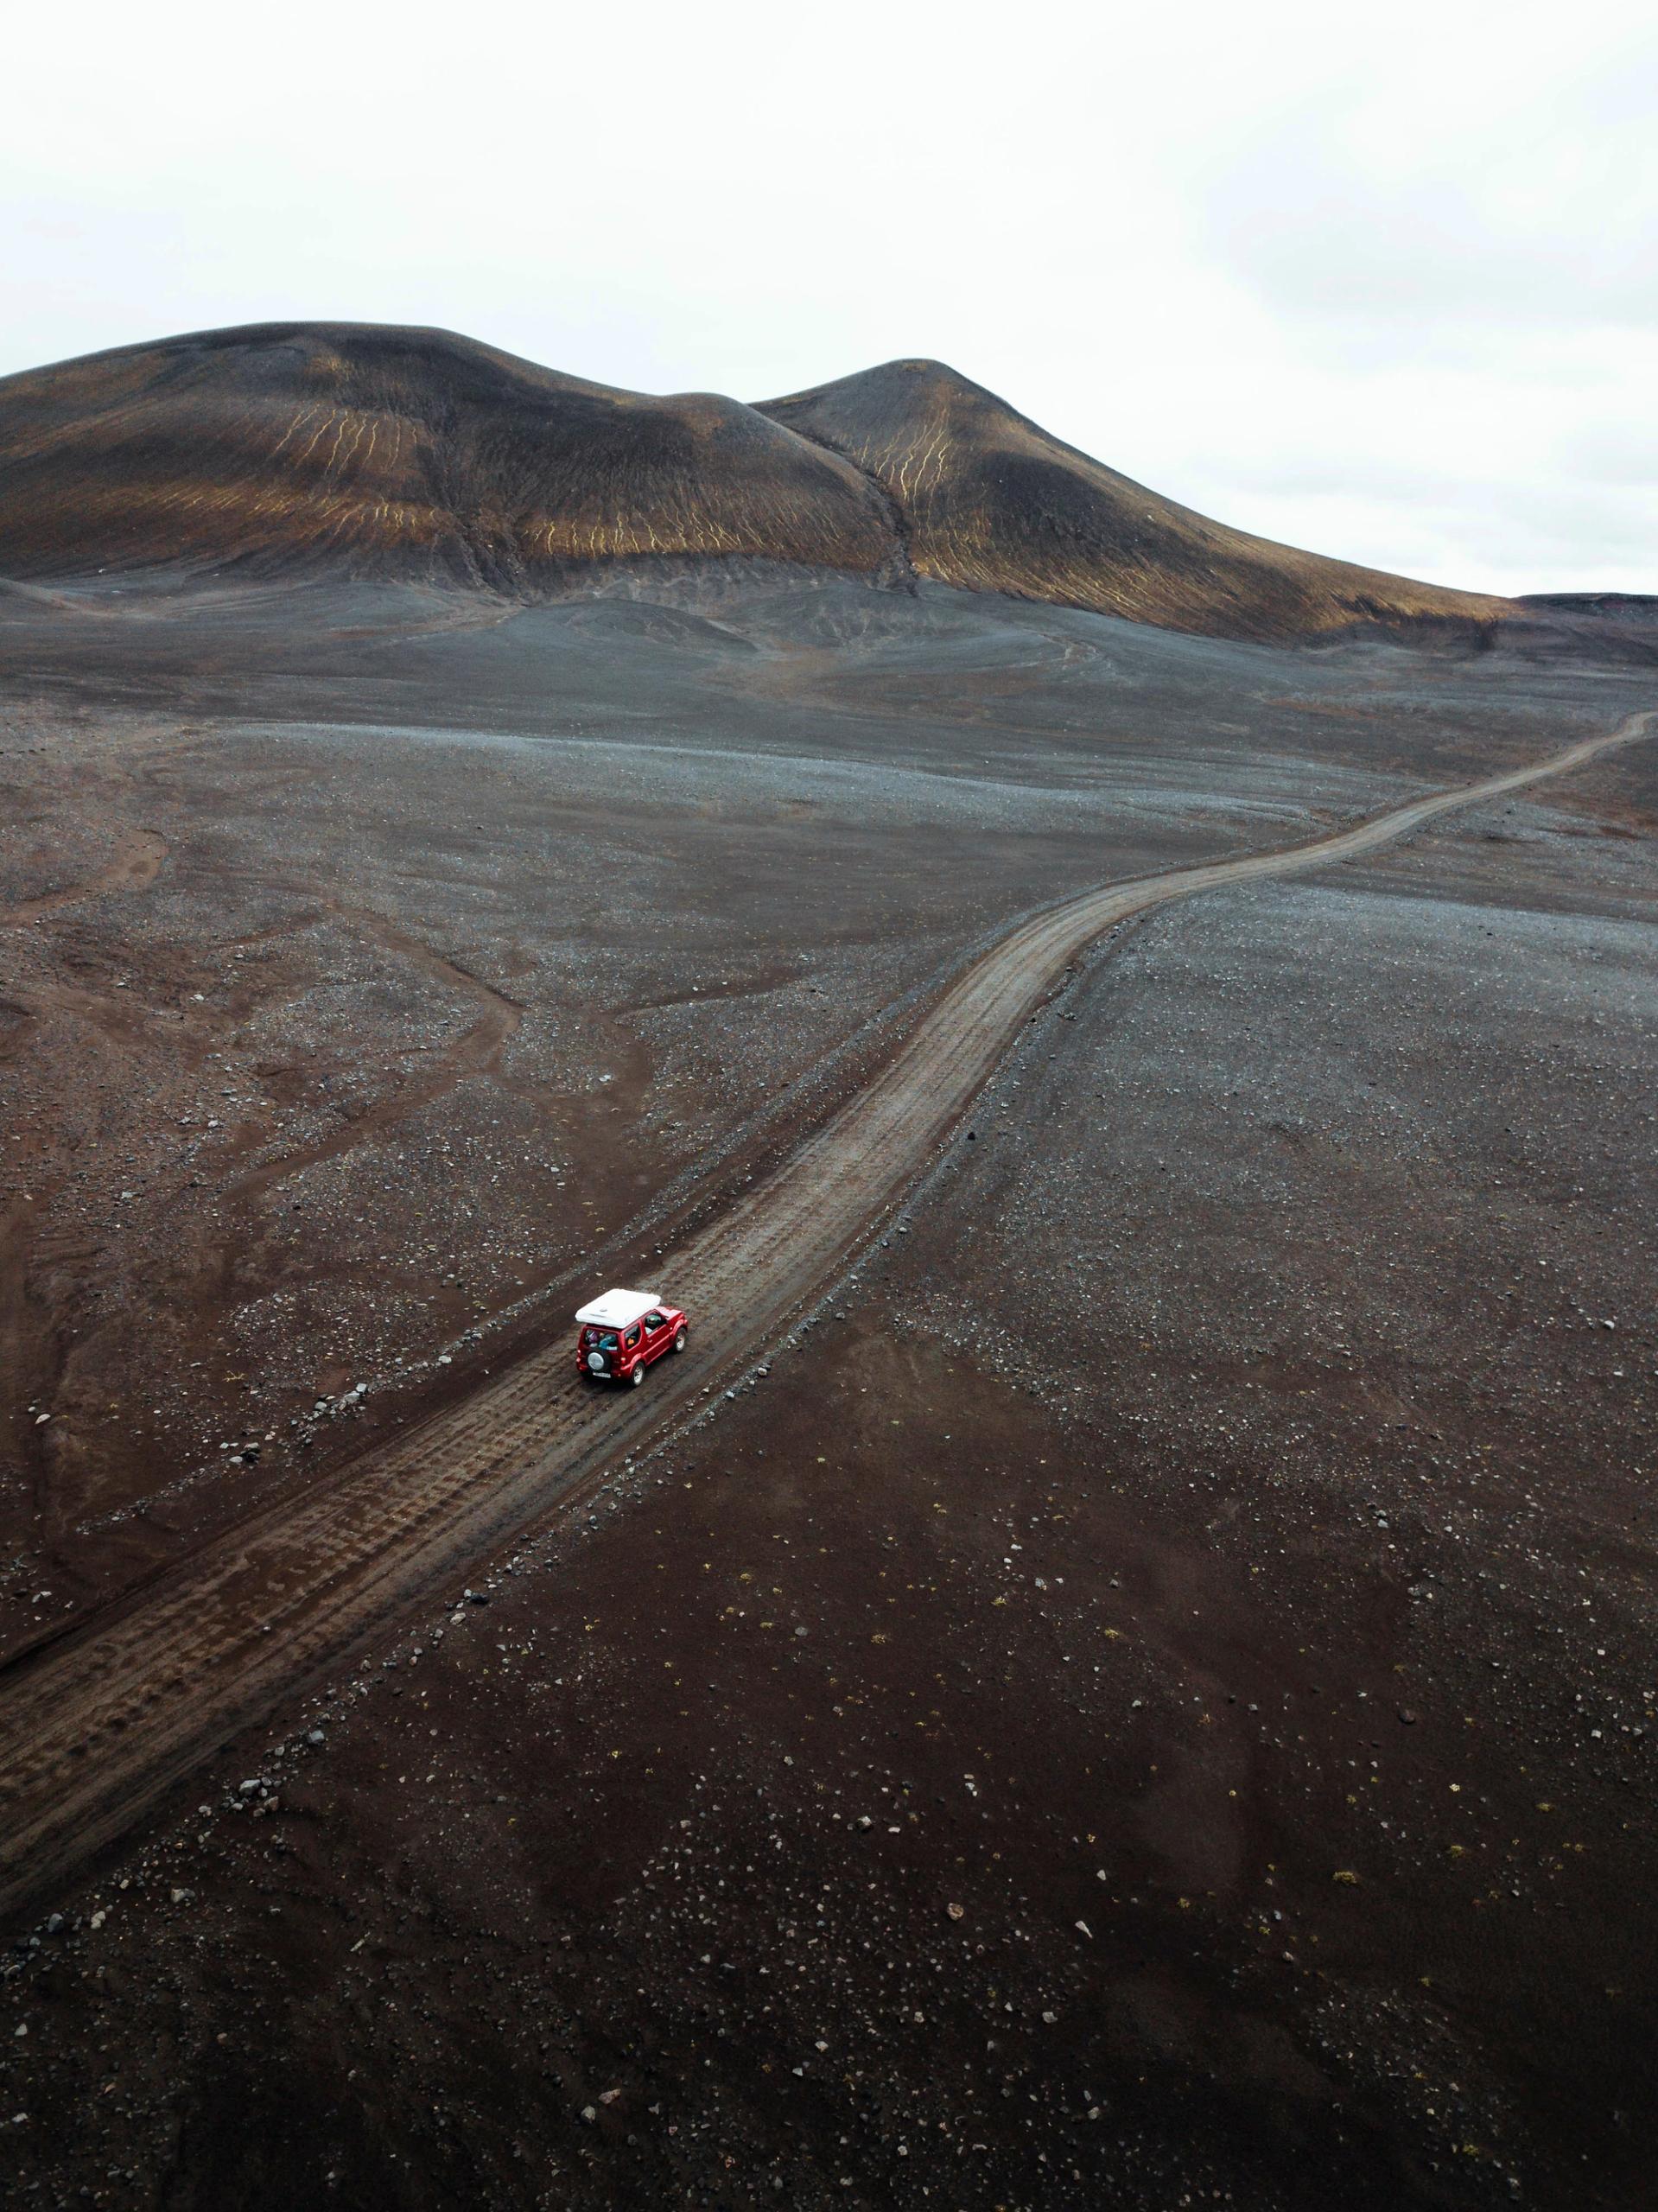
990, 502
1209, 1545
335, 1051
434, 869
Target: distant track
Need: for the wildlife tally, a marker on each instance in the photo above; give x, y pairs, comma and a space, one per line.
135, 866
95, 1726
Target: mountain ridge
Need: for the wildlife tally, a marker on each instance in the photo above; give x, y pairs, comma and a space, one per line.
401, 451
994, 502
384, 450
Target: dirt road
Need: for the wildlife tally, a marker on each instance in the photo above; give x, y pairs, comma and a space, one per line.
94, 1728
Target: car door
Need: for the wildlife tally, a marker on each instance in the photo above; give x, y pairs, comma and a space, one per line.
656, 1337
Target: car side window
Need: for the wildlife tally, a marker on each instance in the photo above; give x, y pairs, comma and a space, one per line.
633, 1336
654, 1321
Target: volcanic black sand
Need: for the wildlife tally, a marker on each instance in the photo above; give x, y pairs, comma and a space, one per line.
1145, 1700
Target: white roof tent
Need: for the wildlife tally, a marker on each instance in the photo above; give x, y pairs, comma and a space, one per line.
617, 1309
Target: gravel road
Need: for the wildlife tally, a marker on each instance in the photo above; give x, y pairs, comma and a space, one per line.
96, 1726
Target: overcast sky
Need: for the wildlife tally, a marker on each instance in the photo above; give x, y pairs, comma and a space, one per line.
1384, 284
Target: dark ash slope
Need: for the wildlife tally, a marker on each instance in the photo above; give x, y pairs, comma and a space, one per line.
401, 453
991, 502
389, 454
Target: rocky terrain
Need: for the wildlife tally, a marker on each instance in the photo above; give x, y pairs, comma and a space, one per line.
336, 1048
1149, 1696
1144, 1692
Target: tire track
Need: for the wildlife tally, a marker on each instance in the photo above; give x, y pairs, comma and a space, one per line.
138, 863
94, 1728
478, 1052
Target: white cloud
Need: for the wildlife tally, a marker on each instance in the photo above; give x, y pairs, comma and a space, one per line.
1382, 288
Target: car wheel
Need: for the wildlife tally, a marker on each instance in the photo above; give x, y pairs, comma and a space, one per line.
637, 1375
679, 1341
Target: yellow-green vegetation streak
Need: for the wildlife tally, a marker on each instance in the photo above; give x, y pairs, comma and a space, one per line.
296, 447
399, 452
991, 502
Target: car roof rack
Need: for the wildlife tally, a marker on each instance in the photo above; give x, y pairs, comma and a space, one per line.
617, 1309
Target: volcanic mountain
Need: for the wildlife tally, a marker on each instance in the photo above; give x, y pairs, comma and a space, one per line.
297, 448
400, 453
991, 502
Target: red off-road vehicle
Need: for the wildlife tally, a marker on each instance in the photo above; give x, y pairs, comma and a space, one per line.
623, 1332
